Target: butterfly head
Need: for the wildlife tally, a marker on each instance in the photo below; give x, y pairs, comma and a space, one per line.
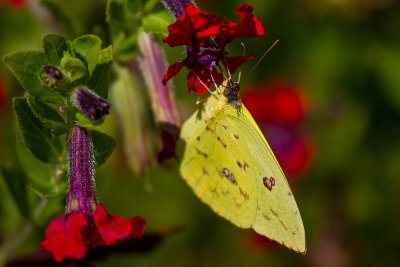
231, 91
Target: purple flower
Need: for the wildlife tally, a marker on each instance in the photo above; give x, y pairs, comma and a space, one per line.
81, 172
176, 7
90, 104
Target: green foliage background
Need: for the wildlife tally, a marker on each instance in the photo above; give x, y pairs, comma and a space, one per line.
346, 57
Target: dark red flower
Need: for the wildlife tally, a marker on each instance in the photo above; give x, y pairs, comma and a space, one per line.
279, 109
195, 29
70, 235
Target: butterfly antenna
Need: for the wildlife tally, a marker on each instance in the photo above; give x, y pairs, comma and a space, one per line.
244, 54
227, 67
215, 84
269, 49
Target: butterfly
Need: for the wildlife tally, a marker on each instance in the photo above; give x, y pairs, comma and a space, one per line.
226, 160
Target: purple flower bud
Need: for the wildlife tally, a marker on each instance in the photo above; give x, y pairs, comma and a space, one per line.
92, 106
175, 7
81, 172
51, 76
153, 65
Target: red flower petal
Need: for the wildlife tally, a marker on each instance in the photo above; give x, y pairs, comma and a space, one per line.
193, 28
235, 62
172, 71
278, 103
297, 158
111, 227
138, 225
195, 85
64, 237
249, 26
169, 141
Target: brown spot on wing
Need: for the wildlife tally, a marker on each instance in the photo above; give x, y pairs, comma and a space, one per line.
224, 192
266, 217
284, 225
214, 191
245, 165
205, 171
198, 138
243, 193
239, 164
209, 129
274, 212
236, 136
269, 182
222, 143
238, 205
201, 153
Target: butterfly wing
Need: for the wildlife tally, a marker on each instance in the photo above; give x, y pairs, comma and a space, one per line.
230, 142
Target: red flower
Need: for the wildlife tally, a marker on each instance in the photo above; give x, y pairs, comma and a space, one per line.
195, 29
70, 235
278, 103
279, 109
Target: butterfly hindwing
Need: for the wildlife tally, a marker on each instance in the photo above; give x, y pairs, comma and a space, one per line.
229, 165
278, 216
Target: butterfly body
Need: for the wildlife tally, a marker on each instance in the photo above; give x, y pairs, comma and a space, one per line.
229, 165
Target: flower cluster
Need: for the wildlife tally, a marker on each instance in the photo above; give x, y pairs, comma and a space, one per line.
85, 223
205, 37
280, 109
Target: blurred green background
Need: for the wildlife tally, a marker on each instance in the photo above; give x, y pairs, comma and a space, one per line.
342, 56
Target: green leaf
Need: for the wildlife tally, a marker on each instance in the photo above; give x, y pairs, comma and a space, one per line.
73, 67
118, 13
134, 6
54, 45
15, 180
100, 78
103, 146
157, 23
88, 47
126, 48
60, 11
36, 137
149, 6
26, 67
82, 121
36, 170
49, 116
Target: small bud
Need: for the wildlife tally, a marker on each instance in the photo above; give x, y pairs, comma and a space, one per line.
90, 104
51, 76
176, 7
81, 172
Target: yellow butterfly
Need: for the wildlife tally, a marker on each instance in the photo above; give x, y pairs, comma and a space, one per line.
227, 162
